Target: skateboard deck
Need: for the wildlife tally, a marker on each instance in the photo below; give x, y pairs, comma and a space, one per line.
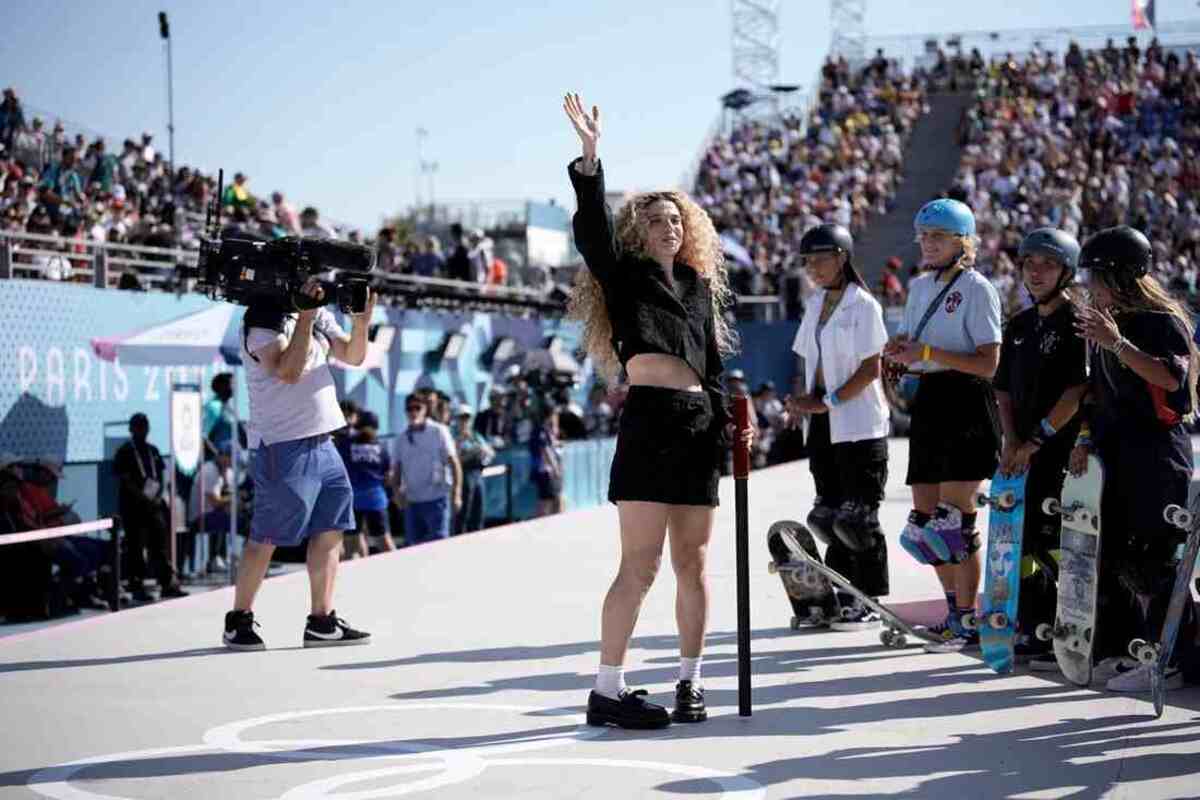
997, 620
1158, 653
1074, 629
895, 632
809, 592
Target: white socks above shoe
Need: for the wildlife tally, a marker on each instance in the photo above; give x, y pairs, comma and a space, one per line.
610, 681
689, 669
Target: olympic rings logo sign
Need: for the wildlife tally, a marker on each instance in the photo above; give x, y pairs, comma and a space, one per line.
410, 763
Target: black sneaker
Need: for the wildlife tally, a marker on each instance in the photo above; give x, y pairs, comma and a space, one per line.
239, 631
631, 711
689, 703
174, 590
1026, 648
332, 631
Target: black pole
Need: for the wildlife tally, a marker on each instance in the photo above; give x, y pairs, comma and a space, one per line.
114, 597
741, 476
164, 30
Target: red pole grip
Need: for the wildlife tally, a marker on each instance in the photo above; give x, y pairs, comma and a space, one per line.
741, 421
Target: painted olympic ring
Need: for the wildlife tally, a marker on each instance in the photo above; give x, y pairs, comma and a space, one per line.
455, 765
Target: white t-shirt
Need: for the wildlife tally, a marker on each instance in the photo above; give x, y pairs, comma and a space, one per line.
853, 333
281, 412
215, 480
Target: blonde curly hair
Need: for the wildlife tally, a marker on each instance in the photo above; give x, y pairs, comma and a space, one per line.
700, 250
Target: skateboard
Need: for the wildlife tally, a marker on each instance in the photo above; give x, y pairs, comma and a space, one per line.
1074, 628
810, 592
895, 632
997, 620
1157, 653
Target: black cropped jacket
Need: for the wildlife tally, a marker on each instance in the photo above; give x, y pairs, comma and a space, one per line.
647, 315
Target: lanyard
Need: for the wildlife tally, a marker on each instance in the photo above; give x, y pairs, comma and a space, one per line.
142, 467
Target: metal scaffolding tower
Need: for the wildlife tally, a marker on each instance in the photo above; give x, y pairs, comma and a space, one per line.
755, 43
848, 27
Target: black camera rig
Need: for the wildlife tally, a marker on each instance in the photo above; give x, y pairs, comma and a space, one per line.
248, 271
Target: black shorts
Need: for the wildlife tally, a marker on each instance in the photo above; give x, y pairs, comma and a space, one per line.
1047, 471
955, 433
847, 471
667, 451
549, 487
373, 523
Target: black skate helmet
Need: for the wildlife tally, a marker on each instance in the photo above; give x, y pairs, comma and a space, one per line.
1058, 245
830, 238
1124, 253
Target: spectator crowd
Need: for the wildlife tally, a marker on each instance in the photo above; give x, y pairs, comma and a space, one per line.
768, 180
1085, 142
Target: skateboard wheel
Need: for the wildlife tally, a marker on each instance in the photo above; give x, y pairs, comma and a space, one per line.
887, 638
1007, 501
982, 499
796, 625
1044, 632
1051, 506
900, 641
998, 620
969, 621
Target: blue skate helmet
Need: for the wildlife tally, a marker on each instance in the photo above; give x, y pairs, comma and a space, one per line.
947, 215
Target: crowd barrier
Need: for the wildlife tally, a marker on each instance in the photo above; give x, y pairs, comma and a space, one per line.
82, 528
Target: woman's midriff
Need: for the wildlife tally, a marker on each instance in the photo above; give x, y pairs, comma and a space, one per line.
664, 371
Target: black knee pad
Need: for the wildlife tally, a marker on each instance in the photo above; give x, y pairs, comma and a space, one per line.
856, 528
820, 522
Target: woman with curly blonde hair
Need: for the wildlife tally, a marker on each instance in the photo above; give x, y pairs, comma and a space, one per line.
651, 300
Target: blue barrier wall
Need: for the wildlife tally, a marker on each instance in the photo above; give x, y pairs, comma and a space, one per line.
57, 398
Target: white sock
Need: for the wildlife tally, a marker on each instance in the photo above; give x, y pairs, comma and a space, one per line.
610, 681
689, 669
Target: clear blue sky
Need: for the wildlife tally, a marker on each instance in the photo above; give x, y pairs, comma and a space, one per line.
322, 100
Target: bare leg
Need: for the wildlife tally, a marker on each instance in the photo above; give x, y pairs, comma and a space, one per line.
252, 568
643, 531
690, 531
323, 551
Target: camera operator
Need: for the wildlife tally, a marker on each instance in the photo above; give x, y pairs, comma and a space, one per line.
301, 488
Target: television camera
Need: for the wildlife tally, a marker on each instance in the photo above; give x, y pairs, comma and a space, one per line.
247, 271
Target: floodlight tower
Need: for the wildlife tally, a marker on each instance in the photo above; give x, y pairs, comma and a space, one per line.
755, 43
848, 27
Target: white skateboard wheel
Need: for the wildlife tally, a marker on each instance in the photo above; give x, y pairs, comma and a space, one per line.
1051, 506
1044, 632
998, 620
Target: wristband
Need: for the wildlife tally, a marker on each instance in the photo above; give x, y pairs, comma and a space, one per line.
831, 399
927, 353
1085, 431
1119, 346
1048, 430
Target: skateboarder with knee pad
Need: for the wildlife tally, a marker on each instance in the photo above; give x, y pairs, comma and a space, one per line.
1142, 391
950, 338
1039, 384
841, 340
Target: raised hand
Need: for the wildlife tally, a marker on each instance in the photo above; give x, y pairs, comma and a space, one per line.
586, 125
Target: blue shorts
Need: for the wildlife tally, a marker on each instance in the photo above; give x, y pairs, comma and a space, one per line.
427, 522
300, 488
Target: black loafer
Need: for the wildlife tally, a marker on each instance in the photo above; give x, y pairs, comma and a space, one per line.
631, 711
689, 703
